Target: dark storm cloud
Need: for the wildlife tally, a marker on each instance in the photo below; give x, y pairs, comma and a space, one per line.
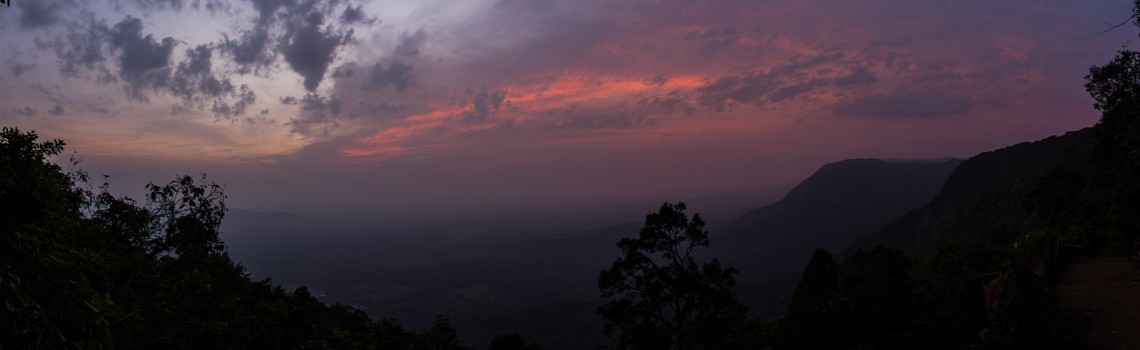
309, 50
481, 104
289, 100
906, 105
39, 14
397, 74
143, 61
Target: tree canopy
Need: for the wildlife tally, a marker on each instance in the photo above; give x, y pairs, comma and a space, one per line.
661, 297
83, 269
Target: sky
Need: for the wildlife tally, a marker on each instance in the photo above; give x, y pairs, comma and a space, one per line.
412, 107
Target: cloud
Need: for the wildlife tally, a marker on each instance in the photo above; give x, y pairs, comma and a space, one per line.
858, 76
397, 74
715, 38
747, 87
573, 119
151, 6
783, 82
668, 103
353, 15
242, 99
906, 104
267, 9
144, 66
309, 50
314, 102
57, 110
296, 28
195, 82
81, 49
39, 14
318, 114
143, 61
793, 91
251, 51
410, 44
19, 68
482, 104
656, 80
26, 111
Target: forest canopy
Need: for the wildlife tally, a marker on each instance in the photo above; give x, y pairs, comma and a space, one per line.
83, 269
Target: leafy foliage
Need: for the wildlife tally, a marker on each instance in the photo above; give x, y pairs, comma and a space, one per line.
660, 296
1111, 198
1022, 314
815, 317
81, 269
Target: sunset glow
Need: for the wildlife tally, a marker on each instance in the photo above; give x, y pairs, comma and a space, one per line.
494, 88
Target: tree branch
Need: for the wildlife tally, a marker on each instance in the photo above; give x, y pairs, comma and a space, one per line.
1114, 26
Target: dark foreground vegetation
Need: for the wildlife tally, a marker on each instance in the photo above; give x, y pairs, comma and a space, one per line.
83, 269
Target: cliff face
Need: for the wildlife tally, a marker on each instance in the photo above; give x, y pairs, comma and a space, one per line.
985, 199
833, 208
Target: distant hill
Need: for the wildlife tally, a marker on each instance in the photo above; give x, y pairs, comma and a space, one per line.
985, 198
833, 208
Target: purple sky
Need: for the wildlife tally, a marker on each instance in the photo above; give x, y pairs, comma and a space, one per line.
414, 106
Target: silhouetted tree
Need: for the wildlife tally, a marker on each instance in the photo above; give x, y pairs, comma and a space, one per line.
876, 286
660, 296
440, 336
816, 314
86, 270
1115, 88
948, 299
46, 300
